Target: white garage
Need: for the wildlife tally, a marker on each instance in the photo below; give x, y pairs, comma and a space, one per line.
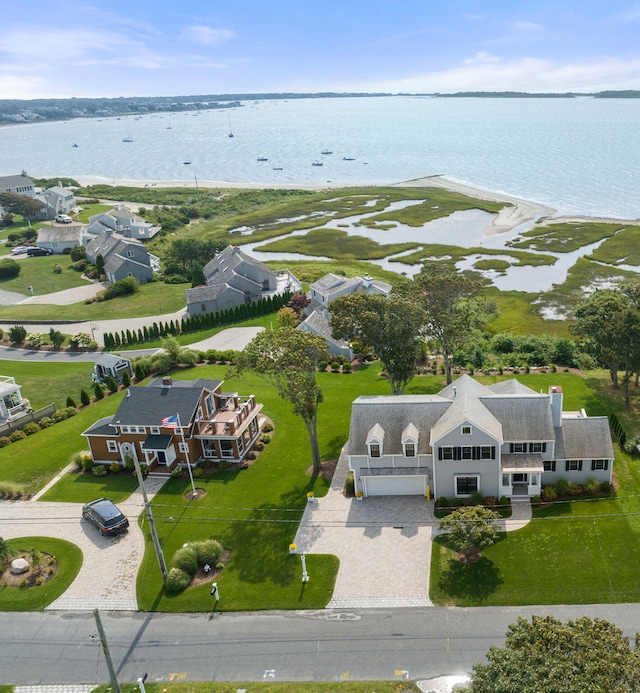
396, 485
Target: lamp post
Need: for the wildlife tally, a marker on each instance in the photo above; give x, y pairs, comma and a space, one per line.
305, 575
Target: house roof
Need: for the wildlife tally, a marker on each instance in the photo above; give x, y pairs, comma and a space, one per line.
209, 293
102, 427
157, 442
62, 234
14, 181
107, 359
316, 323
584, 438
231, 257
331, 283
147, 406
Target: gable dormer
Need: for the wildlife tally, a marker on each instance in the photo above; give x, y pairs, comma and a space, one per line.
410, 437
375, 441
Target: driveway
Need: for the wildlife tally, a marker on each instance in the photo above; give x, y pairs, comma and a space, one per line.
383, 543
107, 578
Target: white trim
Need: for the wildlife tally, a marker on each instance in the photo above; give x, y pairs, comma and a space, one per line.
465, 476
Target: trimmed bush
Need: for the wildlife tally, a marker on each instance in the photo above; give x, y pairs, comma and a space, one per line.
267, 428
605, 486
197, 473
4, 441
503, 500
177, 581
442, 502
346, 367
259, 447
84, 398
265, 438
476, 498
207, 551
114, 467
98, 391
535, 500
349, 485
17, 435
322, 365
335, 367
9, 268
129, 463
71, 402
88, 464
99, 470
549, 493
31, 428
17, 334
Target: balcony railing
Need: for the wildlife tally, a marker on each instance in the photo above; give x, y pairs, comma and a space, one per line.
230, 420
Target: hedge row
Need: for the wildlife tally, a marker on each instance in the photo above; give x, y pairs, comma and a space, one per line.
197, 322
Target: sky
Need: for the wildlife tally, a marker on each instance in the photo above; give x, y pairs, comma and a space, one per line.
66, 48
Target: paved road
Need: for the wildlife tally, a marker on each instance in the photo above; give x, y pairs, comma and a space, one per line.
56, 647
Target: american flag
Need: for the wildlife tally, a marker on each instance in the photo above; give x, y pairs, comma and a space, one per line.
170, 421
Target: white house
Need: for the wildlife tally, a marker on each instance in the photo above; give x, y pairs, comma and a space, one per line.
122, 221
12, 404
498, 440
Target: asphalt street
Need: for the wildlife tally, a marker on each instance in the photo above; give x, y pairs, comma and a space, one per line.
61, 647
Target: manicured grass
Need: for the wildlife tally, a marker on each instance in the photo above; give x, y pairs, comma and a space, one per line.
43, 383
69, 559
38, 273
76, 487
564, 238
34, 461
154, 298
336, 244
279, 687
90, 210
255, 512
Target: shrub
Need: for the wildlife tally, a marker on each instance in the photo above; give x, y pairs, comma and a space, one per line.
197, 473
45, 422
349, 485
575, 489
549, 493
535, 500
251, 455
82, 339
259, 447
17, 435
77, 253
442, 502
476, 498
79, 458
490, 501
207, 551
267, 427
99, 470
17, 333
114, 467
31, 428
57, 269
206, 464
126, 379
79, 265
129, 463
346, 367
562, 487
9, 490
335, 367
122, 287
71, 402
88, 464
112, 384
177, 473
4, 441
605, 486
177, 581
503, 500
186, 559
265, 438
35, 339
322, 365
84, 398
99, 392
9, 268
222, 466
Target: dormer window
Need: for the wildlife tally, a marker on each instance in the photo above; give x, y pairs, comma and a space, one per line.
409, 449
374, 450
375, 441
410, 437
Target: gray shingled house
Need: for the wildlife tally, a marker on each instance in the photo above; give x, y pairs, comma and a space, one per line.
59, 238
500, 440
123, 257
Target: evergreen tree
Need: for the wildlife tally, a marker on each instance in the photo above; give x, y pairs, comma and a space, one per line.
126, 379
98, 391
71, 402
112, 384
84, 398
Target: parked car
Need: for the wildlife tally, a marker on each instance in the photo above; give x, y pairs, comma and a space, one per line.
36, 252
63, 219
20, 249
106, 516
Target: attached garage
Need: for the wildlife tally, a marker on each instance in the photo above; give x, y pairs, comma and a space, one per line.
394, 485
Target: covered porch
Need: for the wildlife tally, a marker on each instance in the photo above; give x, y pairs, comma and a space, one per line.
521, 475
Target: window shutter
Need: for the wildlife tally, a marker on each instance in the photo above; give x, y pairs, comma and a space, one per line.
593, 465
580, 465
439, 453
530, 447
510, 447
553, 466
566, 466
493, 452
544, 447
456, 453
606, 464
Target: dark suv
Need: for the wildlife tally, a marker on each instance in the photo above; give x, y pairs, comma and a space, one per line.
32, 252
105, 516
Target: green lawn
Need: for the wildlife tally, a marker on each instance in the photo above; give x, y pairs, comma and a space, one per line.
38, 273
69, 559
77, 487
43, 383
34, 461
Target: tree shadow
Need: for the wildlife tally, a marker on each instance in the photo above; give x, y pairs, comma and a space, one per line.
472, 582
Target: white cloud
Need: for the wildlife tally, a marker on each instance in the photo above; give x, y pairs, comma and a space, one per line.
526, 27
205, 34
21, 87
488, 73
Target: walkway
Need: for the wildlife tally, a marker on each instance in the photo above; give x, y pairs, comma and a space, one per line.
107, 578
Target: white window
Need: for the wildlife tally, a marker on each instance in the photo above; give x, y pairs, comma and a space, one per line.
466, 485
226, 448
374, 450
409, 449
505, 479
573, 465
130, 253
447, 453
112, 446
534, 479
140, 429
183, 447
155, 430
466, 430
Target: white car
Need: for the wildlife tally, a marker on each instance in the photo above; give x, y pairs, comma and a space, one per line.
20, 249
63, 219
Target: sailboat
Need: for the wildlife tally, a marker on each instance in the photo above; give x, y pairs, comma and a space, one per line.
230, 130
128, 138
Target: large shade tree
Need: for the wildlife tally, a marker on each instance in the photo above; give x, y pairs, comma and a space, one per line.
548, 656
287, 360
470, 529
15, 203
389, 326
609, 322
453, 311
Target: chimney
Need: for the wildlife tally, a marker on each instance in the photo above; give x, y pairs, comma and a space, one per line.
166, 381
367, 281
555, 397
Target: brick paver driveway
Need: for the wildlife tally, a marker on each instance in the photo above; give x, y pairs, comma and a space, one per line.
384, 545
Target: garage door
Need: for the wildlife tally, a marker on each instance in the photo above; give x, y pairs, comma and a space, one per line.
394, 485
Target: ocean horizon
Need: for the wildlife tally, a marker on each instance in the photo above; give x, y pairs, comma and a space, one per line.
579, 156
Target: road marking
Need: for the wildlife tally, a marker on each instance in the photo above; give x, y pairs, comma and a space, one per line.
344, 675
401, 672
269, 674
181, 676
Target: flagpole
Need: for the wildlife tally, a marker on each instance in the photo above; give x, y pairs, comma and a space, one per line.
186, 453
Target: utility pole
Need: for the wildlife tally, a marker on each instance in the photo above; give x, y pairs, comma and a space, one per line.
152, 524
107, 655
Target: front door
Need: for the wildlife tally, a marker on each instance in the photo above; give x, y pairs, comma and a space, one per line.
162, 457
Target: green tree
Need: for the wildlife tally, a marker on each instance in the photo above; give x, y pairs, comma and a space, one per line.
71, 402
17, 333
77, 253
56, 338
453, 313
84, 398
98, 391
470, 529
548, 656
390, 326
5, 552
286, 317
100, 264
15, 203
187, 252
126, 379
9, 269
287, 360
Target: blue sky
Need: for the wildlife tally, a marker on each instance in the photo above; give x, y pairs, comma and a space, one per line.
63, 48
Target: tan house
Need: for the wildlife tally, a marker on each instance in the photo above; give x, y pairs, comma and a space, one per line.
171, 422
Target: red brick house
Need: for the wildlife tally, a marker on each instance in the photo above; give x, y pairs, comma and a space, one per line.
169, 422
